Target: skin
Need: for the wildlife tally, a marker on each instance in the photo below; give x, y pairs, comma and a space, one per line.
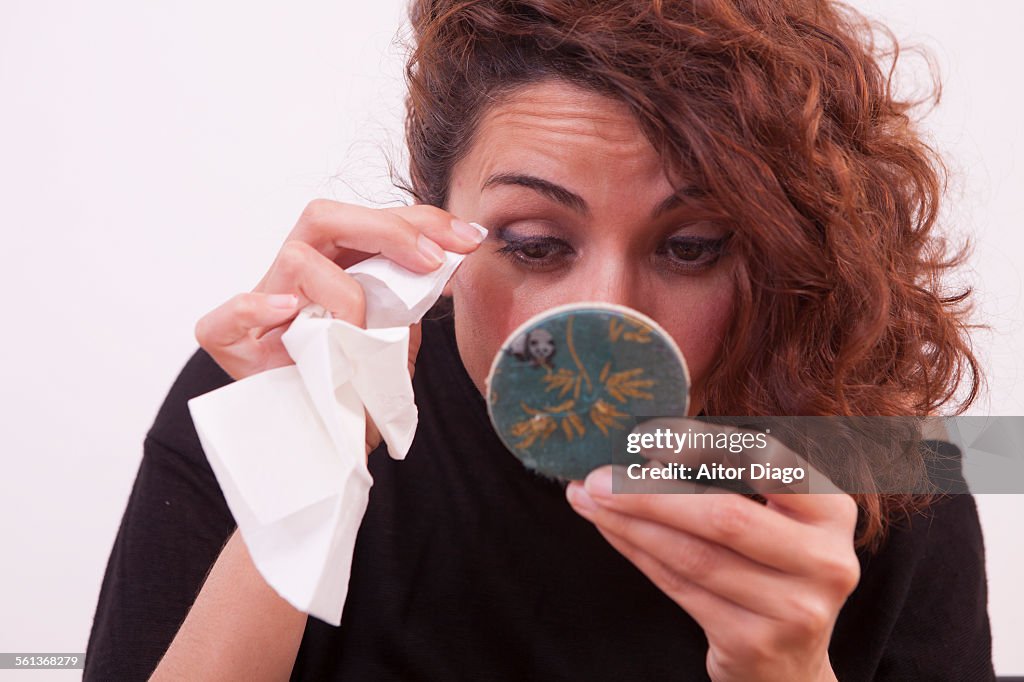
765, 582
590, 146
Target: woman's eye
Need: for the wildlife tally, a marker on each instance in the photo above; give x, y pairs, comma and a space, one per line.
535, 252
692, 253
687, 251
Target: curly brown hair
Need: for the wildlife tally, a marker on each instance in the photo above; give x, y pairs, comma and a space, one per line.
784, 115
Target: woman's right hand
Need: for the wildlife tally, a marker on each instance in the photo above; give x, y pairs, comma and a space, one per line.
243, 335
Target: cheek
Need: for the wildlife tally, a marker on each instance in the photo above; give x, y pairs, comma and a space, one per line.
698, 324
491, 301
485, 314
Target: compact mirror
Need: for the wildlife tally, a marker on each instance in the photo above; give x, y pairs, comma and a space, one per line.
572, 381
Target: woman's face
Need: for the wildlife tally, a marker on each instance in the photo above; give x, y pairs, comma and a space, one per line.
579, 209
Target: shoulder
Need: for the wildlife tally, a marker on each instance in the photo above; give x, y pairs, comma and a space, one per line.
173, 426
944, 616
921, 608
950, 551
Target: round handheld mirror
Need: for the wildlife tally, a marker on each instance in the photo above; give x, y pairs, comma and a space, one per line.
570, 383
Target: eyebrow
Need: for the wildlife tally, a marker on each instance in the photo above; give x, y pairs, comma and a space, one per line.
572, 200
546, 187
673, 200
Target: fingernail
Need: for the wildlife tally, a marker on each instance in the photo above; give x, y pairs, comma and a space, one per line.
430, 249
283, 300
599, 483
579, 498
466, 231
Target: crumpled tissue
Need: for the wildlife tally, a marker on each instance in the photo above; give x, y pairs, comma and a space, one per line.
288, 445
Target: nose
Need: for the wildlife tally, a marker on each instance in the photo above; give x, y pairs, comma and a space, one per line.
610, 281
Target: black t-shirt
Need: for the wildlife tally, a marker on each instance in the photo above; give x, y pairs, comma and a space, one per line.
468, 566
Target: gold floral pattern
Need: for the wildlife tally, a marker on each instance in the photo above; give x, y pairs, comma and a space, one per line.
597, 404
629, 330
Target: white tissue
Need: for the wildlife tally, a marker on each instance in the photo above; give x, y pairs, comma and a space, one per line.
288, 445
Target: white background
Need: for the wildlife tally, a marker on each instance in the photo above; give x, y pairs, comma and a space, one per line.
154, 155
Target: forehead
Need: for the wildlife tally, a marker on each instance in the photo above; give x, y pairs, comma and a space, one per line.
566, 134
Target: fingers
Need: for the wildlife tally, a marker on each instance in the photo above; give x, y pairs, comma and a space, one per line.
739, 523
828, 503
742, 642
231, 322
414, 237
450, 232
714, 567
712, 612
244, 335
301, 269
228, 332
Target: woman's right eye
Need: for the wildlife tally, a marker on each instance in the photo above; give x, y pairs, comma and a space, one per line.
535, 253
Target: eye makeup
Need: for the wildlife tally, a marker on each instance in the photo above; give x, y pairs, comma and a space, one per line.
692, 253
535, 252
680, 253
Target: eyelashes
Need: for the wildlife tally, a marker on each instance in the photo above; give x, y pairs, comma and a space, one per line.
688, 254
692, 252
536, 253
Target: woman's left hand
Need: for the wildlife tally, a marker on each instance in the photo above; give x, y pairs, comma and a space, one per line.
765, 582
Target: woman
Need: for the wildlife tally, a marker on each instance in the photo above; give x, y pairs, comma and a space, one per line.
739, 171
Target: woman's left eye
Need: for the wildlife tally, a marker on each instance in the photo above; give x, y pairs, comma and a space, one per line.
692, 253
